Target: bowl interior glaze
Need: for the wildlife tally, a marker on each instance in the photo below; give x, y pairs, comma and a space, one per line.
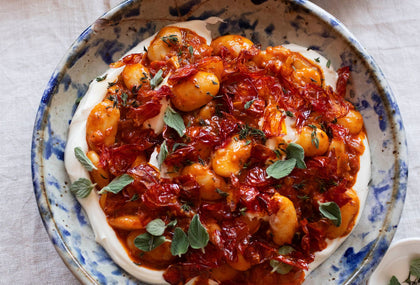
266, 23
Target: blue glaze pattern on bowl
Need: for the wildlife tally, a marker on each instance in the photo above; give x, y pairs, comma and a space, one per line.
266, 23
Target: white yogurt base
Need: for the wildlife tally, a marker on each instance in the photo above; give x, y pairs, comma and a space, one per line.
104, 234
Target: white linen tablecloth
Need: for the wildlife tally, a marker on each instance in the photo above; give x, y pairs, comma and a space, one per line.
35, 34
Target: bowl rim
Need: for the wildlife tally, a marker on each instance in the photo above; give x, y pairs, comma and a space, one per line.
386, 94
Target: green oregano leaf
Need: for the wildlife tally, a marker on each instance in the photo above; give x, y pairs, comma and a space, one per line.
280, 267
180, 242
157, 79
197, 233
415, 267
172, 223
163, 153
222, 193
82, 187
117, 184
148, 242
281, 168
331, 211
134, 198
174, 121
285, 250
248, 104
394, 281
156, 227
83, 159
295, 151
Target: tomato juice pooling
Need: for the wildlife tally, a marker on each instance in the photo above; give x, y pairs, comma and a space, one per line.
240, 161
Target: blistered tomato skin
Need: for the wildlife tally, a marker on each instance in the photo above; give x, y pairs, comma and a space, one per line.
226, 112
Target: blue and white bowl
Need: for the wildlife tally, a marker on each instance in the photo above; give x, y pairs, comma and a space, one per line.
264, 22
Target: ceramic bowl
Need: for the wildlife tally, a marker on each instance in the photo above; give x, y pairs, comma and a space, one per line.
396, 262
264, 22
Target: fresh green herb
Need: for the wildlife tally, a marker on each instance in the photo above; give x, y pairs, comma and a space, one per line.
281, 168
179, 243
415, 267
331, 211
157, 79
174, 121
78, 100
295, 151
156, 227
82, 187
178, 145
317, 59
172, 223
394, 281
83, 159
289, 114
135, 197
285, 250
117, 184
248, 104
170, 40
243, 211
124, 97
187, 162
298, 186
328, 64
179, 52
304, 197
247, 142
246, 130
278, 153
163, 153
197, 234
191, 50
148, 242
101, 78
186, 207
314, 138
222, 193
201, 161
280, 267
413, 274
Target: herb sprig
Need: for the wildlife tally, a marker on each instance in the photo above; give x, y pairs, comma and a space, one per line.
282, 168
413, 274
